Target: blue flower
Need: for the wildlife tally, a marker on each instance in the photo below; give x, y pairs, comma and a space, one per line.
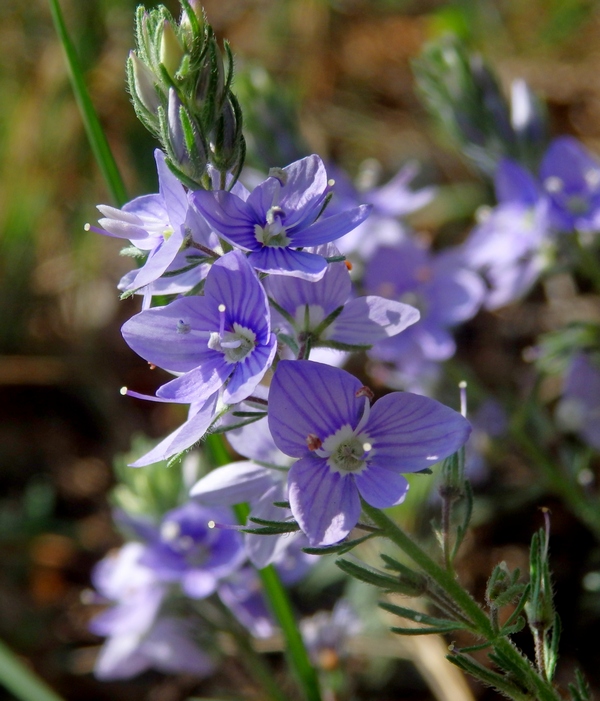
186, 550
221, 340
346, 450
279, 218
360, 322
440, 286
254, 482
579, 406
139, 635
158, 225
570, 176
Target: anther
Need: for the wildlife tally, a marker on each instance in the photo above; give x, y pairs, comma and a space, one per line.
313, 442
365, 391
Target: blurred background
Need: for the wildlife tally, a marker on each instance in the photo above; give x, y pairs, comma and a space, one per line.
346, 64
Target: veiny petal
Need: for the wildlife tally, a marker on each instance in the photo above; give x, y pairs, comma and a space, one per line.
304, 191
229, 216
310, 398
410, 432
198, 384
328, 229
380, 487
287, 261
264, 549
158, 337
248, 372
171, 190
366, 320
159, 260
255, 441
325, 504
233, 484
233, 283
182, 438
330, 292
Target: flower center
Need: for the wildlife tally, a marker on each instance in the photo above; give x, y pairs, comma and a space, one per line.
345, 451
273, 233
577, 204
194, 552
349, 455
235, 345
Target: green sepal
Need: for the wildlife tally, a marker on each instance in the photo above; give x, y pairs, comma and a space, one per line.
336, 345
520, 605
462, 529
133, 252
271, 527
327, 321
256, 415
284, 313
551, 648
239, 424
338, 548
289, 342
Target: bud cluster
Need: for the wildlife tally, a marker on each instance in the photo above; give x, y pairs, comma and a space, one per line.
462, 93
180, 85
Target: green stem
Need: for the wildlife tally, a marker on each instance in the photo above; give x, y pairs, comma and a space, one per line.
93, 128
446, 580
254, 662
295, 648
480, 623
276, 595
20, 680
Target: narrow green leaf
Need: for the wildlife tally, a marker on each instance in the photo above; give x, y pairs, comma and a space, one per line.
93, 128
489, 677
520, 606
420, 617
21, 681
517, 626
423, 631
512, 667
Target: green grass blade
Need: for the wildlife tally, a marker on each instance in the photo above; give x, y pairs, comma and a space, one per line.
24, 684
93, 128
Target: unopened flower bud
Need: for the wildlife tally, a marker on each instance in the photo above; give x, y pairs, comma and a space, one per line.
184, 141
171, 51
142, 84
452, 484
